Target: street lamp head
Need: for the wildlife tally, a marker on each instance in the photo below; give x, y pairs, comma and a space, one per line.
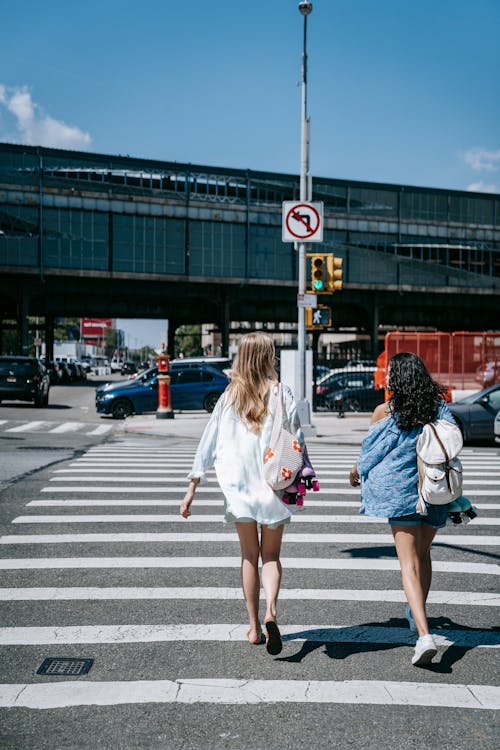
305, 7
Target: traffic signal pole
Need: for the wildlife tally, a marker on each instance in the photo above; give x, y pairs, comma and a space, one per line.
303, 406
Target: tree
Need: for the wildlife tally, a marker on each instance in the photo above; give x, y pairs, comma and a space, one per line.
188, 341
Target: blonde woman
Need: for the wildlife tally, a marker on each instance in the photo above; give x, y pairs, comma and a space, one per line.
234, 442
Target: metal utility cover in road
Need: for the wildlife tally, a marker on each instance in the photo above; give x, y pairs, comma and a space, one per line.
302, 222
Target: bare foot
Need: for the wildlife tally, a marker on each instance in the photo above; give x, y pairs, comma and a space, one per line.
254, 636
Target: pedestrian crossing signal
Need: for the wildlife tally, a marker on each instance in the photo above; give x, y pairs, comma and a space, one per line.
318, 317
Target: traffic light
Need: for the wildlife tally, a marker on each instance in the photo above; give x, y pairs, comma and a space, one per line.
318, 273
334, 272
318, 317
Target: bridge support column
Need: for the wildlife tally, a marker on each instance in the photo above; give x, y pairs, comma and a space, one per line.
172, 326
49, 338
224, 325
23, 321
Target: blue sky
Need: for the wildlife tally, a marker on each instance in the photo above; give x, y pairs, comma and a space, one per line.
402, 92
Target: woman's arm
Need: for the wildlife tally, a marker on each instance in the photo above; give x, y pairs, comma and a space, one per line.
380, 412
188, 498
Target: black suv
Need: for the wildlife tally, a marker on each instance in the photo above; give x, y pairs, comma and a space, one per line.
24, 379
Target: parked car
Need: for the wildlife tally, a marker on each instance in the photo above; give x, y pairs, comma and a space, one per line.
194, 387
54, 370
24, 379
353, 391
223, 364
341, 378
350, 364
116, 364
475, 414
128, 368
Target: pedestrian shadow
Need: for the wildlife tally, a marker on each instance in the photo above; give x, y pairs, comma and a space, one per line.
340, 643
390, 550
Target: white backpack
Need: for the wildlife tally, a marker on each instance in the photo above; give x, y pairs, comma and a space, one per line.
439, 469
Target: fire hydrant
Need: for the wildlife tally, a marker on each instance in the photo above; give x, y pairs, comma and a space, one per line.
164, 410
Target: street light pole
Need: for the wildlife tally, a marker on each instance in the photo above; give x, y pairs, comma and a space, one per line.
305, 8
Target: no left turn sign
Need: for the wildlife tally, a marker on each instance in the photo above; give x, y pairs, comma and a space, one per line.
302, 222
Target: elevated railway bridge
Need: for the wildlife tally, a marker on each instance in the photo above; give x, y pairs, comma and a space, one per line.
97, 235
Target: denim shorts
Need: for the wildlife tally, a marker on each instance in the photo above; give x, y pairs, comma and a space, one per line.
436, 518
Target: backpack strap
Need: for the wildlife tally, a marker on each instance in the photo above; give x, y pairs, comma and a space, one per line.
445, 454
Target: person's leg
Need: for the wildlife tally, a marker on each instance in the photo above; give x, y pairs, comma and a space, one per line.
424, 541
413, 549
271, 567
249, 543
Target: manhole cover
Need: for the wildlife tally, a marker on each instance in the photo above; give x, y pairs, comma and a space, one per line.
65, 666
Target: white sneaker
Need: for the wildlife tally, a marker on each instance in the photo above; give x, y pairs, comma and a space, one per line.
409, 617
425, 651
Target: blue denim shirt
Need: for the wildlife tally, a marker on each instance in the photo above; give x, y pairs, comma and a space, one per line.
387, 466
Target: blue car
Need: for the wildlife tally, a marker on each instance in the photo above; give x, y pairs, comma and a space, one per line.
190, 388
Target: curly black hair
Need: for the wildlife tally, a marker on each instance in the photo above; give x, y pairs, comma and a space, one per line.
415, 396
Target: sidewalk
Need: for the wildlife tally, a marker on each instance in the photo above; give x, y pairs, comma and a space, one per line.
329, 428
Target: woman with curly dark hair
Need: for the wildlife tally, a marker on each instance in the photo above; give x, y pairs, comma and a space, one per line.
388, 475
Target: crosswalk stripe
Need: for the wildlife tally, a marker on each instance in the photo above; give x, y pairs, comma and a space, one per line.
290, 563
84, 503
207, 518
28, 427
244, 691
103, 429
67, 427
147, 478
177, 518
125, 489
203, 633
453, 540
102, 593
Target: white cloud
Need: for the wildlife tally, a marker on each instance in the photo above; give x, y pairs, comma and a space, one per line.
482, 159
482, 187
35, 127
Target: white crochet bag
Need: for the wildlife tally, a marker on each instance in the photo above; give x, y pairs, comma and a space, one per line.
283, 457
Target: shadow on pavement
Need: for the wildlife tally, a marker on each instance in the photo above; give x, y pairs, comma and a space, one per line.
340, 643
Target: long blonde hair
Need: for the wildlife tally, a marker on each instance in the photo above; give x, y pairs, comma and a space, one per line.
253, 368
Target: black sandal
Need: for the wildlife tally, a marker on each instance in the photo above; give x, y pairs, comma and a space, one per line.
273, 638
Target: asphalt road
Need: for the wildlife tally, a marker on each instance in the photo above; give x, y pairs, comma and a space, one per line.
97, 564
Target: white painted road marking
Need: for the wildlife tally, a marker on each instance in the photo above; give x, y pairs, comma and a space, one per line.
207, 518
208, 593
243, 692
453, 540
306, 563
211, 632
